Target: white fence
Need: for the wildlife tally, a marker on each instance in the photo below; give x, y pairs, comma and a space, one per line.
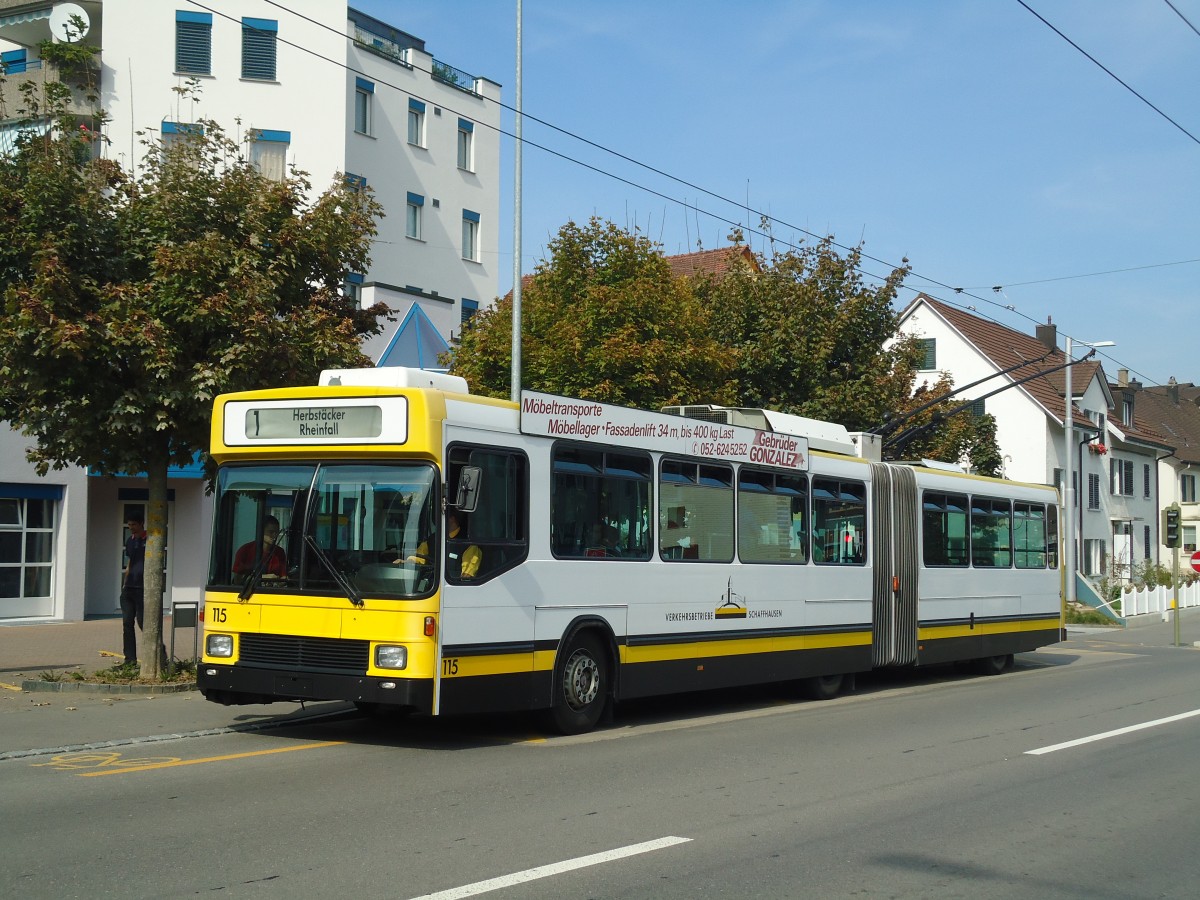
1159, 600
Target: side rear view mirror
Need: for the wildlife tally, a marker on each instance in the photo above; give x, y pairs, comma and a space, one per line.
469, 479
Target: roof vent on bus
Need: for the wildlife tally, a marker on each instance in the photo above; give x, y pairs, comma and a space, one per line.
394, 377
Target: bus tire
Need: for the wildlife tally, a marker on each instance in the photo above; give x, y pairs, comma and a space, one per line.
822, 687
994, 665
581, 685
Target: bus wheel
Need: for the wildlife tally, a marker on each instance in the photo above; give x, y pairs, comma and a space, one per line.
822, 687
581, 686
994, 665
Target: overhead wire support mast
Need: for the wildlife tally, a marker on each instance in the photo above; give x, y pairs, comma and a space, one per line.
903, 438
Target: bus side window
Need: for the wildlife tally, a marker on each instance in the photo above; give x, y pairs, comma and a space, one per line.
495, 537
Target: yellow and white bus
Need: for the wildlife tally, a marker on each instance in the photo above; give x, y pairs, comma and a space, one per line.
443, 552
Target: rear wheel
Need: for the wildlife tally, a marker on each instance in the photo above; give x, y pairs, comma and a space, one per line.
822, 687
581, 686
994, 665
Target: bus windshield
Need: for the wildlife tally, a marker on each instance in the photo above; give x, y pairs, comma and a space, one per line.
375, 523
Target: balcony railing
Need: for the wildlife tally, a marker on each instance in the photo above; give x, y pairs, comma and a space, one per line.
83, 102
385, 47
447, 74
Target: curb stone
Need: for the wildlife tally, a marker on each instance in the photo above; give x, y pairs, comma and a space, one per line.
87, 687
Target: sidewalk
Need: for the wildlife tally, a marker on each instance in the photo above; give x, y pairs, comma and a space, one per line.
29, 650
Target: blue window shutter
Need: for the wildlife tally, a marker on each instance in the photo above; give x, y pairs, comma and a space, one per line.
416, 105
363, 85
258, 48
465, 125
416, 199
193, 43
271, 135
471, 216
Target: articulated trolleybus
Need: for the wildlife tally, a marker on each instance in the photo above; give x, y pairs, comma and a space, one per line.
387, 538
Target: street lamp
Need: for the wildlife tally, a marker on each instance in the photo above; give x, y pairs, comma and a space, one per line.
1069, 539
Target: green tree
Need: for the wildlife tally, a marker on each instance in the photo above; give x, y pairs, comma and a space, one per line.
131, 302
602, 319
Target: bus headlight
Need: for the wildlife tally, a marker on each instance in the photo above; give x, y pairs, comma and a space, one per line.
391, 656
219, 645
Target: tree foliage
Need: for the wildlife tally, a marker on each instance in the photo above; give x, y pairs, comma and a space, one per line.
131, 301
603, 319
800, 332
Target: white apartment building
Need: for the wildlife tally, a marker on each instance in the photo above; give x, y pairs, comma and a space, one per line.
311, 84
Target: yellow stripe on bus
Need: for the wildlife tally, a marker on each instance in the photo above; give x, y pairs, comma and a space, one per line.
937, 632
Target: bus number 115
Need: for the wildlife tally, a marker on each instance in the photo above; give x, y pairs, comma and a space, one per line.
449, 667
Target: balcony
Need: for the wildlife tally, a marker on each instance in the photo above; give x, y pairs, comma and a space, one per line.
82, 102
447, 74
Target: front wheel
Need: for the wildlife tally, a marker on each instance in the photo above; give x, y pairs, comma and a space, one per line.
581, 686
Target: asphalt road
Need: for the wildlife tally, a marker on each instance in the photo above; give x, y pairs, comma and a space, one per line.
932, 784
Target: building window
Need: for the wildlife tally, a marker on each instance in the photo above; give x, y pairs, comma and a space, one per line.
412, 222
1146, 481
928, 353
1189, 538
364, 92
26, 546
193, 43
1093, 491
268, 152
1120, 473
13, 62
178, 132
356, 183
469, 308
977, 408
1095, 557
1127, 410
416, 122
352, 287
466, 145
258, 48
1058, 478
470, 235
1187, 488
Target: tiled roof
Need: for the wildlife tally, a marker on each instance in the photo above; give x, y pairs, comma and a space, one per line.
1176, 417
1006, 347
711, 262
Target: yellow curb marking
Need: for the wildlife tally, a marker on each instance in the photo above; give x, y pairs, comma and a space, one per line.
11, 687
208, 759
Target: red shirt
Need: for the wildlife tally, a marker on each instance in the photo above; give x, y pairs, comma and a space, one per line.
243, 561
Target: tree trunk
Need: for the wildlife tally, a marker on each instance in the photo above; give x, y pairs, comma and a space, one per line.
153, 655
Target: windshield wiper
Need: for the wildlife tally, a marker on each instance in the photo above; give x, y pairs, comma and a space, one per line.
255, 576
352, 593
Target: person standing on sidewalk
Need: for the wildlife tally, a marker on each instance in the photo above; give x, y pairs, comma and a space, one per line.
133, 601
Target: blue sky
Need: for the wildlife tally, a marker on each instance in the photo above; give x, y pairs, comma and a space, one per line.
966, 136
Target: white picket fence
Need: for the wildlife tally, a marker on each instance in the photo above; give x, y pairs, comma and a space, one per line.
1159, 600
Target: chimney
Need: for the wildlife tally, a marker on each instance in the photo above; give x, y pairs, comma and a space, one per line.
1122, 377
1173, 390
1048, 335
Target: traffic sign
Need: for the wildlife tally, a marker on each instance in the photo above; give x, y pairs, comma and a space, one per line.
1196, 560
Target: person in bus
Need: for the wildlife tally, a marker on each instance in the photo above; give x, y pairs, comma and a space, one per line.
246, 557
461, 561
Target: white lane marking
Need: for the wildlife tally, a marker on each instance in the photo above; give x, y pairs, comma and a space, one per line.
1100, 737
568, 865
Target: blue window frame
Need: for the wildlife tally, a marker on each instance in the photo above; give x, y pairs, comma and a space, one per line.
469, 308
258, 48
193, 42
